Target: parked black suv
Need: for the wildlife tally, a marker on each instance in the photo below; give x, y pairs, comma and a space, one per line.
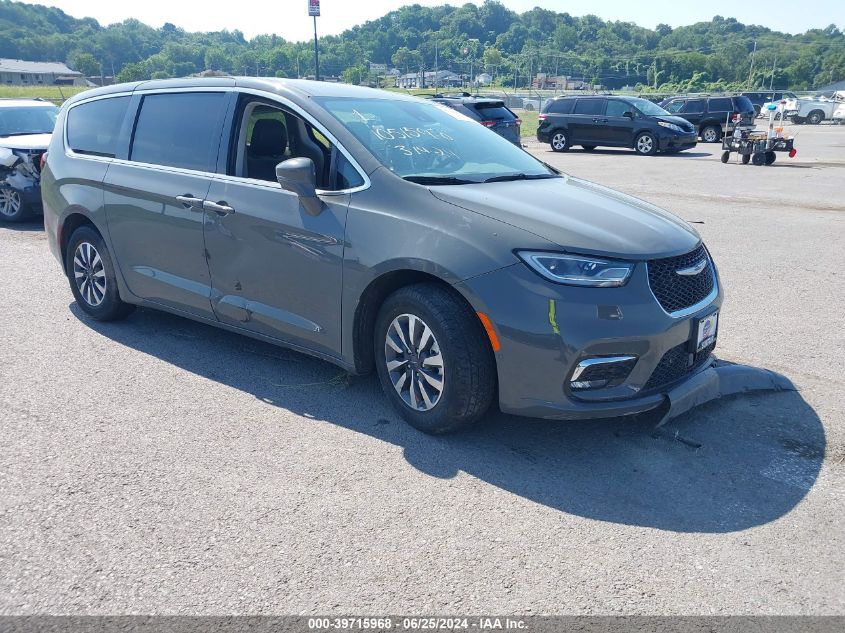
761, 97
491, 113
613, 122
712, 116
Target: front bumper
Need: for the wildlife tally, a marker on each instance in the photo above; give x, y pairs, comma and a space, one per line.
546, 329
669, 141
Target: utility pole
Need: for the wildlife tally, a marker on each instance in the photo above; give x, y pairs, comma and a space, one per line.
772, 80
436, 78
751, 70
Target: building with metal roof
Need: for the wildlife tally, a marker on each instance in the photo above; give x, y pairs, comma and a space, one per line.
18, 72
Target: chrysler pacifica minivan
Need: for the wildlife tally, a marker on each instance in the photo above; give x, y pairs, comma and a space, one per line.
378, 232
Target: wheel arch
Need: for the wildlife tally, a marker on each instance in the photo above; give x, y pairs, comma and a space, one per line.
70, 223
374, 296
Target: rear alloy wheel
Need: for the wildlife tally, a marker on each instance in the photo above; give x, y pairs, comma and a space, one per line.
92, 279
433, 358
12, 208
711, 134
559, 142
646, 144
815, 117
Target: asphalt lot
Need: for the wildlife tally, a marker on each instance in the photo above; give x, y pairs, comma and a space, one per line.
161, 466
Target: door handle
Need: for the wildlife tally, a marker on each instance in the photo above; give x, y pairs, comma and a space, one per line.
189, 201
220, 208
599, 120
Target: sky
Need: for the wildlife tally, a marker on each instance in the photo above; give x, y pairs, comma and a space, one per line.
289, 18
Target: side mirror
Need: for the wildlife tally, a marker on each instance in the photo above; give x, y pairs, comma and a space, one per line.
299, 176
628, 115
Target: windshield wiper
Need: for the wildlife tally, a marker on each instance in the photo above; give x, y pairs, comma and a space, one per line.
521, 177
21, 134
439, 180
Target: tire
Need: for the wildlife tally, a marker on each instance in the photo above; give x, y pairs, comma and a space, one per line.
711, 134
588, 148
770, 158
559, 141
466, 372
646, 144
12, 206
815, 117
746, 158
758, 158
92, 277
529, 107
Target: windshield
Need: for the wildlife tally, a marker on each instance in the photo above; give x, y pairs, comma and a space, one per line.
648, 108
430, 143
27, 120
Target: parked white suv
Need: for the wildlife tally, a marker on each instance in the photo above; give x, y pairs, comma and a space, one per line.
25, 129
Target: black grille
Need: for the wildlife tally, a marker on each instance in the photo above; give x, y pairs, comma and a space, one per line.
676, 364
676, 292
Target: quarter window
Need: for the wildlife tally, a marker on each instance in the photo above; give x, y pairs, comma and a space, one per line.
179, 130
93, 128
561, 106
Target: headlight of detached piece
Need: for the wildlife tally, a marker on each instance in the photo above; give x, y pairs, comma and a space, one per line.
671, 126
577, 270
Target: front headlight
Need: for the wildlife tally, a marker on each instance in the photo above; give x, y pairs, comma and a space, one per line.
577, 270
671, 126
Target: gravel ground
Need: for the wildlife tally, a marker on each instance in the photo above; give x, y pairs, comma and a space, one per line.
161, 466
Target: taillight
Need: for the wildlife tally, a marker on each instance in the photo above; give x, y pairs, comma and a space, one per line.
488, 123
43, 160
541, 117
518, 122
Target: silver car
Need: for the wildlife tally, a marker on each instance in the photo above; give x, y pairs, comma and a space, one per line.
378, 232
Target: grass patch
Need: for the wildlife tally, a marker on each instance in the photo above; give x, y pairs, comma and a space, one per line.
56, 94
529, 122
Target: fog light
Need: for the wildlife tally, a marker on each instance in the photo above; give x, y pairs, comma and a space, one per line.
601, 371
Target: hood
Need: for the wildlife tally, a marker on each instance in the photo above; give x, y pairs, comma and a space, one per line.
26, 141
579, 216
679, 121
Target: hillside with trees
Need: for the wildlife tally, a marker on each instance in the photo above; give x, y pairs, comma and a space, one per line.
704, 56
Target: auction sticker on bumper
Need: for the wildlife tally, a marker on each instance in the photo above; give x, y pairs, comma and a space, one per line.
706, 331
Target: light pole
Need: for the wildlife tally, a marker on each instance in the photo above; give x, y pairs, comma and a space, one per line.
314, 12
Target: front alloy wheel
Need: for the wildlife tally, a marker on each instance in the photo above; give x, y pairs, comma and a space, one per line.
646, 144
711, 134
12, 208
433, 358
414, 362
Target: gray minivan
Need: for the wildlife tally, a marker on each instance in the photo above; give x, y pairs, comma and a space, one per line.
379, 232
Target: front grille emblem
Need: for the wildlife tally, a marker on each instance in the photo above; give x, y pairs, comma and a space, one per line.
692, 270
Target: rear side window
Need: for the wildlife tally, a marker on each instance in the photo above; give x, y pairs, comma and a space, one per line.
494, 112
743, 104
693, 106
179, 130
589, 106
560, 106
93, 128
722, 105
